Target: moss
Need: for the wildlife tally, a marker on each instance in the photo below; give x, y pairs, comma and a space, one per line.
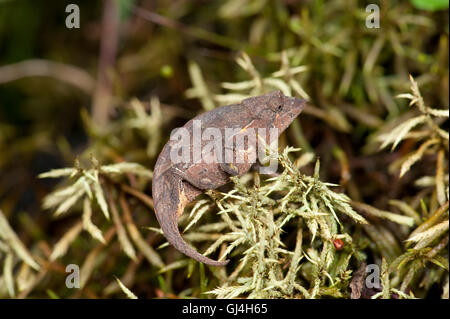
363, 176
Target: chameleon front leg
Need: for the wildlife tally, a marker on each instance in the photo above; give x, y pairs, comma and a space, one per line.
235, 169
242, 162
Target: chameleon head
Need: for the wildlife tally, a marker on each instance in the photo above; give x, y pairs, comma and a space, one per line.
285, 109
276, 108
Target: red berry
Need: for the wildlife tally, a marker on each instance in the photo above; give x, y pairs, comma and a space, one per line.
338, 244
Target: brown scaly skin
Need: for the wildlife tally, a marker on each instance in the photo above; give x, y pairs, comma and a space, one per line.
177, 184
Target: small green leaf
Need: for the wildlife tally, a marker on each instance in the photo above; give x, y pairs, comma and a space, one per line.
125, 290
101, 199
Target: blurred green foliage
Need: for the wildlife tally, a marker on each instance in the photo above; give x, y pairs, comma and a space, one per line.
169, 60
431, 5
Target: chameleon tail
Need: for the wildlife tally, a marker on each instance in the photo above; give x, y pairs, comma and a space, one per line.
168, 209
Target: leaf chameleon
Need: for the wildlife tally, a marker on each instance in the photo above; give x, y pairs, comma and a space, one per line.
176, 184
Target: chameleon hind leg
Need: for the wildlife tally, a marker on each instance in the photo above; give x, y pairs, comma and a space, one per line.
207, 176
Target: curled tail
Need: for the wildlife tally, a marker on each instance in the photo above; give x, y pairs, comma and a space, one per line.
171, 195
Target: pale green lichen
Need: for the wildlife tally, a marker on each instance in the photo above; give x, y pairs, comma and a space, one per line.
253, 227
